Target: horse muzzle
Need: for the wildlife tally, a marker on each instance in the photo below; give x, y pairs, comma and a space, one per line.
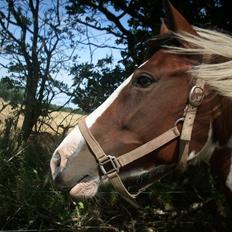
74, 168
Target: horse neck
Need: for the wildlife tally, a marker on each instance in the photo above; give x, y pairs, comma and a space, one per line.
221, 157
213, 128
222, 123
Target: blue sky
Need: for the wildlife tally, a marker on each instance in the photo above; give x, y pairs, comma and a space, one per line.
85, 56
83, 52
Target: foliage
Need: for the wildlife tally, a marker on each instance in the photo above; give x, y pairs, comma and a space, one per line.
94, 83
27, 197
134, 22
11, 92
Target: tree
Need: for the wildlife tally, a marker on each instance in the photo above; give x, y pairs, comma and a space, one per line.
92, 84
133, 22
34, 44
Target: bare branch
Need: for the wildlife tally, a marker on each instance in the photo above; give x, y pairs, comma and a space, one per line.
114, 19
102, 45
100, 28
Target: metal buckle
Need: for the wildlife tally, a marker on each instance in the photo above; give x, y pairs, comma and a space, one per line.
109, 165
196, 96
179, 120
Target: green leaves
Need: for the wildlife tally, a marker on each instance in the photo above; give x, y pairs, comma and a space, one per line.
92, 84
10, 91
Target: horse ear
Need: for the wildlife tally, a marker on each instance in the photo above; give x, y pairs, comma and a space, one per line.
175, 20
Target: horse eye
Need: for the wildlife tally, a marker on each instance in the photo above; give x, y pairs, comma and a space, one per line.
142, 81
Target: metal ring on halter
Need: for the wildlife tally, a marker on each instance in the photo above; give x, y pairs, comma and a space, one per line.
179, 120
196, 96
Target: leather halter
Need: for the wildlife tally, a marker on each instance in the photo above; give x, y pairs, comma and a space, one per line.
110, 165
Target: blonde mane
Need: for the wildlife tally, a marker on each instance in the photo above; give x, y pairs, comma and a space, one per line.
210, 43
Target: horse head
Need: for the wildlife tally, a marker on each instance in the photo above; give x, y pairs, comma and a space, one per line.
146, 105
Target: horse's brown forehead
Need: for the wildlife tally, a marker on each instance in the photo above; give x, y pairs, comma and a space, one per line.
163, 64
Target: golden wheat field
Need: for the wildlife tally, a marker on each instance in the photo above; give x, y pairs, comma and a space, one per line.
56, 122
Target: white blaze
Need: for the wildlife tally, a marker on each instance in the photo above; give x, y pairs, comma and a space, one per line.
74, 141
91, 119
229, 177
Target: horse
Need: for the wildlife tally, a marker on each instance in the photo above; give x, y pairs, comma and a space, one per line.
175, 109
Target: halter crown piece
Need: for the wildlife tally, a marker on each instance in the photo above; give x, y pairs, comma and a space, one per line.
110, 165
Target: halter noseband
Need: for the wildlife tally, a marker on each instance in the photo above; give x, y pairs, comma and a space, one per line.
110, 165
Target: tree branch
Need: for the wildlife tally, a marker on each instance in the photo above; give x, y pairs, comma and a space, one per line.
114, 19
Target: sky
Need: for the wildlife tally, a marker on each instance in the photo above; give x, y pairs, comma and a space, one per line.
84, 55
83, 52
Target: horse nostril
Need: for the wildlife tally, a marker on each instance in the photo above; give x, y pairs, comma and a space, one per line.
58, 181
61, 182
57, 159
55, 164
58, 178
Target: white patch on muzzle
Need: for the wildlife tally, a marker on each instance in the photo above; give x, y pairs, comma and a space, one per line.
74, 141
72, 144
229, 177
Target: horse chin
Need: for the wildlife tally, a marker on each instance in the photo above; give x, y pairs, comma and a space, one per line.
85, 188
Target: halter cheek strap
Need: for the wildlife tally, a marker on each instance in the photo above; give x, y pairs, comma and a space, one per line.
110, 165
196, 96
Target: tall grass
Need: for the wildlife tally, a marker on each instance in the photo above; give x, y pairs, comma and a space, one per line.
29, 201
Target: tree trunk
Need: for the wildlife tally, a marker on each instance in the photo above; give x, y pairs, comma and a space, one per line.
31, 115
32, 106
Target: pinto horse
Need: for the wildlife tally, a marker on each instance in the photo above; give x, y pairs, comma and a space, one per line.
175, 109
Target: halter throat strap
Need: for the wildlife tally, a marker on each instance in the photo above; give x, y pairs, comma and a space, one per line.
111, 165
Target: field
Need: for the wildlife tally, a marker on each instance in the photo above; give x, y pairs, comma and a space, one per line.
55, 123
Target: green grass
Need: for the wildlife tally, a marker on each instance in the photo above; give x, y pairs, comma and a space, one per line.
29, 201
